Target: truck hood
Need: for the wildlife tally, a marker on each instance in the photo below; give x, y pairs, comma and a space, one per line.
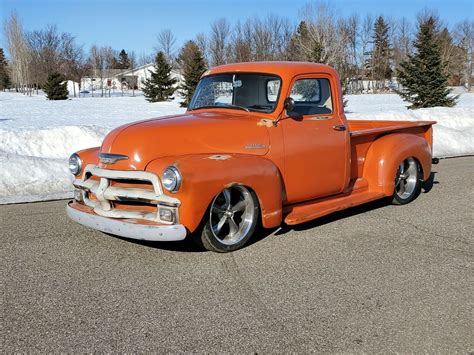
190, 133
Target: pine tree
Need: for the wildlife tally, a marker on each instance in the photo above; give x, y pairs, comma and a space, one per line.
193, 65
4, 77
55, 87
379, 62
160, 86
423, 75
123, 60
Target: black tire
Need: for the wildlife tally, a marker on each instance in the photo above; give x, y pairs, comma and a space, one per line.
226, 240
408, 182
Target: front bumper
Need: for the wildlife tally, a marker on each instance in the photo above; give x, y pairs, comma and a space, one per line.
127, 229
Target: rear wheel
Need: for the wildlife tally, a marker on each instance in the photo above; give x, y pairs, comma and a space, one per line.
407, 182
231, 220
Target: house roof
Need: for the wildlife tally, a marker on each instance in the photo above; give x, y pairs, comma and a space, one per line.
141, 67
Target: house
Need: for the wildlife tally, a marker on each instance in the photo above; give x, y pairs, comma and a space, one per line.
118, 79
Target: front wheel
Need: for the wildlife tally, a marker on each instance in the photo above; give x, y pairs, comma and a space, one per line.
231, 220
407, 182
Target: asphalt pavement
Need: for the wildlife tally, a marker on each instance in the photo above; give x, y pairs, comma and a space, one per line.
376, 278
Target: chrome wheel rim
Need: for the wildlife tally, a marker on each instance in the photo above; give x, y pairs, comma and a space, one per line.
406, 179
232, 215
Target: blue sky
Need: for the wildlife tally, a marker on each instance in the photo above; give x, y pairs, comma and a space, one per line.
133, 25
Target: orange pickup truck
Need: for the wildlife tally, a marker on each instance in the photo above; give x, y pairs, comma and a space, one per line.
261, 143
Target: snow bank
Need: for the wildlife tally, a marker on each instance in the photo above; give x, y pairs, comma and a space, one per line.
54, 142
37, 136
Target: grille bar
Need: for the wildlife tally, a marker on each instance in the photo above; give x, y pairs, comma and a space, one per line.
106, 194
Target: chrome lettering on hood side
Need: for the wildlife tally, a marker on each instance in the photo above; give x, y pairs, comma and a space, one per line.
255, 146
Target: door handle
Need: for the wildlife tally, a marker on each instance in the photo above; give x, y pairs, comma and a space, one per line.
339, 127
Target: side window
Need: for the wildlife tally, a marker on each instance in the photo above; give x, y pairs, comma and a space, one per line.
312, 96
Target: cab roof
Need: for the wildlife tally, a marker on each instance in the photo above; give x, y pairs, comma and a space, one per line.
283, 69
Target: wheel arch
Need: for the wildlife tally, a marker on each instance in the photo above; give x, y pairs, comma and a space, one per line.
386, 153
204, 176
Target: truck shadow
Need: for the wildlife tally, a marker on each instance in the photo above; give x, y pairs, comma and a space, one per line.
334, 217
188, 246
185, 246
428, 184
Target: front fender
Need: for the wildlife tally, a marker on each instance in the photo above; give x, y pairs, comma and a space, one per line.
88, 156
385, 155
204, 176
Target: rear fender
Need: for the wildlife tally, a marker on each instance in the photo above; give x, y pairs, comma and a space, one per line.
385, 155
204, 176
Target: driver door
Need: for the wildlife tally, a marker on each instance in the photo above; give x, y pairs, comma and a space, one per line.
315, 141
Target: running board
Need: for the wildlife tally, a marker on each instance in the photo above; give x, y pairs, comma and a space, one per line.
310, 210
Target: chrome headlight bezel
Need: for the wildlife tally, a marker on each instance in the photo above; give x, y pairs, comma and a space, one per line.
75, 164
171, 179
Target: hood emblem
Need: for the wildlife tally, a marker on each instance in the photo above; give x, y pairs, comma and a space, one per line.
255, 146
108, 158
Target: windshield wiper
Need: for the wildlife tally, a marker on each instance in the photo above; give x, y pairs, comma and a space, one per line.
200, 107
221, 106
236, 106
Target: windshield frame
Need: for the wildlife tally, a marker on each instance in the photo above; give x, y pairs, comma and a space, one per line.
276, 102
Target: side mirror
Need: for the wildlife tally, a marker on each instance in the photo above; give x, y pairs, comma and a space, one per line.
289, 104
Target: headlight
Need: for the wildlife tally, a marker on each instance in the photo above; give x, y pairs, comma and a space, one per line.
75, 164
171, 179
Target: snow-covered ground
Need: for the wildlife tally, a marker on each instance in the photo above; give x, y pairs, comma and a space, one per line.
37, 136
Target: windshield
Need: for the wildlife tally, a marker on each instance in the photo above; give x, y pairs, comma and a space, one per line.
244, 91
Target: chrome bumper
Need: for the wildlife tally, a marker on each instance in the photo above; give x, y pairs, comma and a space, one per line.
152, 232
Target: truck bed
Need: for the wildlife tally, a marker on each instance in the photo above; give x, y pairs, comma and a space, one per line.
369, 127
364, 132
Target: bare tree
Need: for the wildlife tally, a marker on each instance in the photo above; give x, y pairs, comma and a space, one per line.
287, 29
19, 54
74, 64
351, 29
464, 35
45, 48
262, 40
426, 13
323, 31
144, 58
272, 37
166, 44
132, 57
326, 40
218, 41
402, 42
203, 44
97, 65
365, 37
241, 43
108, 58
